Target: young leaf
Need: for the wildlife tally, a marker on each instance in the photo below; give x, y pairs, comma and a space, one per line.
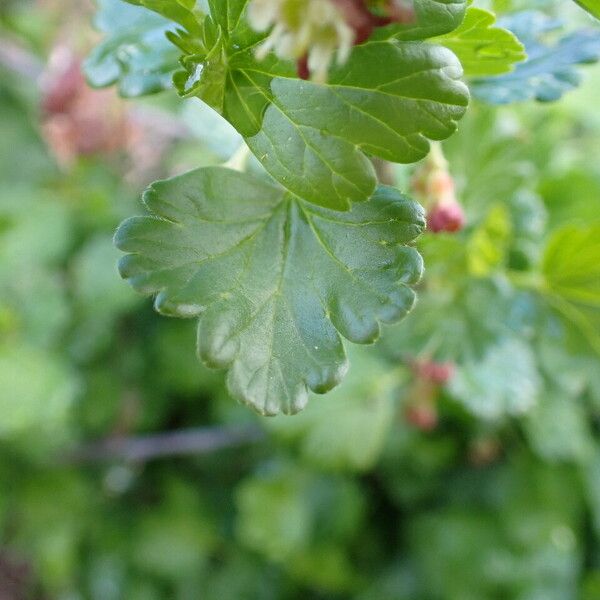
549, 71
432, 18
136, 55
482, 48
275, 281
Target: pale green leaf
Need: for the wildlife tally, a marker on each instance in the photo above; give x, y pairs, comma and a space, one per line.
483, 48
432, 18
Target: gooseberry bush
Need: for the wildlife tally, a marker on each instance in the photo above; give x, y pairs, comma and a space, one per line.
282, 262
320, 165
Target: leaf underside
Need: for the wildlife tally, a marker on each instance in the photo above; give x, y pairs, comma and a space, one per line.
275, 281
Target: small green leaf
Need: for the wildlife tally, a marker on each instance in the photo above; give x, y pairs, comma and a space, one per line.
432, 18
549, 71
275, 281
482, 48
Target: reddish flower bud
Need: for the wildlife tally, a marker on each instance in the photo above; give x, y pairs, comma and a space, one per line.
446, 216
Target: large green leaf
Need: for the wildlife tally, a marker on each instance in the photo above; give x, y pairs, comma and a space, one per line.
549, 71
135, 54
388, 100
482, 48
276, 281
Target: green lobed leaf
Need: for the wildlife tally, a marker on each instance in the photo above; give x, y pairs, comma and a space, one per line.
275, 281
388, 100
549, 71
482, 48
135, 54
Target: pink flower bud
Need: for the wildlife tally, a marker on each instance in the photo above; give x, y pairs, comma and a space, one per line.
447, 216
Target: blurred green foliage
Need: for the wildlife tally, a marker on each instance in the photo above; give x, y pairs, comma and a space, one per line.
497, 497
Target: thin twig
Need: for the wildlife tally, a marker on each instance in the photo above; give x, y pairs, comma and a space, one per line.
189, 441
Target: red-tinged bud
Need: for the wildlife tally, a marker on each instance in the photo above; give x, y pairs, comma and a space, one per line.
438, 373
447, 216
422, 415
